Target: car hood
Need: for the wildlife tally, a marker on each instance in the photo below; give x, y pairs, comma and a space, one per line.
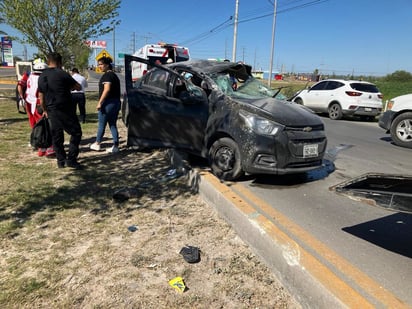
285, 112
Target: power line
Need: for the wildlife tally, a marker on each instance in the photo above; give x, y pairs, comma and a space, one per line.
224, 25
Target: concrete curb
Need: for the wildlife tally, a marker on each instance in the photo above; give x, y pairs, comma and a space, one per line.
316, 276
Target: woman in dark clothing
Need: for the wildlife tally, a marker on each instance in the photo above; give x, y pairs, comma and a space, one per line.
108, 106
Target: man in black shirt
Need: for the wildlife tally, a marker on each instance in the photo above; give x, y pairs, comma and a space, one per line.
55, 86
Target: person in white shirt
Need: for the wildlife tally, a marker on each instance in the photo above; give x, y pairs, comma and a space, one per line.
79, 99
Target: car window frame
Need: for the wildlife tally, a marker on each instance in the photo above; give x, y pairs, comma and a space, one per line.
316, 88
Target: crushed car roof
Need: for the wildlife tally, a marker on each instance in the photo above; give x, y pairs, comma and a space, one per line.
208, 67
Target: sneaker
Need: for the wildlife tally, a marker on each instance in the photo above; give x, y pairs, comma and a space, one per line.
95, 146
112, 149
41, 152
50, 152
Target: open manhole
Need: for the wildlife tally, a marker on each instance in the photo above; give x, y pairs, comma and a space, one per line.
389, 191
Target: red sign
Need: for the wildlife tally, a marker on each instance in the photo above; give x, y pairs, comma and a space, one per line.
96, 44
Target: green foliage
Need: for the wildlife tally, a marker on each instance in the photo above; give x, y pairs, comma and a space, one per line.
393, 88
399, 76
60, 25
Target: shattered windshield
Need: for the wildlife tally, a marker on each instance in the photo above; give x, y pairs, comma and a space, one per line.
251, 88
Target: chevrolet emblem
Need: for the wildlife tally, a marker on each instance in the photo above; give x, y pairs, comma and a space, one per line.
307, 129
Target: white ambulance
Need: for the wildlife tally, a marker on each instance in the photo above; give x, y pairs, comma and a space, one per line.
158, 53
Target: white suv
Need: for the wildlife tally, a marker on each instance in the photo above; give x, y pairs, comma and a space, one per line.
339, 97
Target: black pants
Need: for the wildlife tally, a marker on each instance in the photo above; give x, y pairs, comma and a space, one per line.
79, 99
60, 121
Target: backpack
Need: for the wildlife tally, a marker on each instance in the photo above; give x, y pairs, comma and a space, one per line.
40, 136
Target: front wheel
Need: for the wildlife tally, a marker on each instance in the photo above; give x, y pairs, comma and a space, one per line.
335, 111
225, 161
401, 130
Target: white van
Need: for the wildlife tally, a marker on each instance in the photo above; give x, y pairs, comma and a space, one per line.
23, 67
161, 52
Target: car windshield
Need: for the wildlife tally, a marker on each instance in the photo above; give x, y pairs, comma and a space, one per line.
251, 88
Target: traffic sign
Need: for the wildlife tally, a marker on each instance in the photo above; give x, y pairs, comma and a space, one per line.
104, 53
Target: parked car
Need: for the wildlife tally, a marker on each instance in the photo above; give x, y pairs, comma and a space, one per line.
218, 110
397, 120
339, 97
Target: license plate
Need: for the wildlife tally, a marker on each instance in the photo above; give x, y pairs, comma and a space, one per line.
368, 109
310, 150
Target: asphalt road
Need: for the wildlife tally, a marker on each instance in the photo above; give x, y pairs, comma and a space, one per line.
374, 241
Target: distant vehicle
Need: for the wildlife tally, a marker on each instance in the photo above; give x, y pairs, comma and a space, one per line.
397, 120
342, 97
194, 106
21, 67
158, 53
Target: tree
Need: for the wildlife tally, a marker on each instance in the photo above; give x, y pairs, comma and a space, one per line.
399, 76
2, 22
60, 25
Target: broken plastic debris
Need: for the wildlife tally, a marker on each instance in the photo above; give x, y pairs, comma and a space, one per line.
190, 254
132, 228
178, 284
173, 174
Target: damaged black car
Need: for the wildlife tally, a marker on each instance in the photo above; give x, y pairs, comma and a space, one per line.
219, 111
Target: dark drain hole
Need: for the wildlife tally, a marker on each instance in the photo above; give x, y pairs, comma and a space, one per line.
389, 191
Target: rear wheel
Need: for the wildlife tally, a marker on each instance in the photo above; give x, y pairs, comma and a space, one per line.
225, 161
401, 130
335, 111
298, 101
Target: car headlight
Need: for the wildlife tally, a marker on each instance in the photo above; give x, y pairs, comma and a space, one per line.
390, 104
259, 124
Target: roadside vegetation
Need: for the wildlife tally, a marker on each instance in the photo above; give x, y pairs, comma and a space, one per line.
391, 85
67, 242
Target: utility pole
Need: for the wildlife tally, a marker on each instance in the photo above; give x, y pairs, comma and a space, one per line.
254, 61
114, 45
273, 43
235, 31
133, 42
243, 55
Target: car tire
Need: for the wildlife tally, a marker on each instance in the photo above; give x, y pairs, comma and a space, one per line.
298, 101
335, 111
401, 130
225, 160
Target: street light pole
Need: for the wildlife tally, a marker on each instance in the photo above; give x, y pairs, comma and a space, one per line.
235, 32
273, 43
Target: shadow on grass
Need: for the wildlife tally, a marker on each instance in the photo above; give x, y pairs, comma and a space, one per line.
91, 189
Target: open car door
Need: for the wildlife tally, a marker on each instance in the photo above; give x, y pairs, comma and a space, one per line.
163, 110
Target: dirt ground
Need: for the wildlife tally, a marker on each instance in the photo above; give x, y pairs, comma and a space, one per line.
110, 237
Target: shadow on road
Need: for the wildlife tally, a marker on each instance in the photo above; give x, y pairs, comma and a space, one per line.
392, 233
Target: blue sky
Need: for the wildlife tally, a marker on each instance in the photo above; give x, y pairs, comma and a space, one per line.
364, 37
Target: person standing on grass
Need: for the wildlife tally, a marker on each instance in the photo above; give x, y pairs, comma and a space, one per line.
33, 106
55, 86
108, 106
78, 96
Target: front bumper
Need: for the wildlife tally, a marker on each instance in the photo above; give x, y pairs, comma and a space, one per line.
283, 154
385, 121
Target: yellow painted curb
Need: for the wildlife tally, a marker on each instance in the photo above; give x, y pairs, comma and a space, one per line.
348, 284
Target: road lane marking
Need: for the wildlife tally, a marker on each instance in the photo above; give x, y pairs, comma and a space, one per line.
326, 266
326, 275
